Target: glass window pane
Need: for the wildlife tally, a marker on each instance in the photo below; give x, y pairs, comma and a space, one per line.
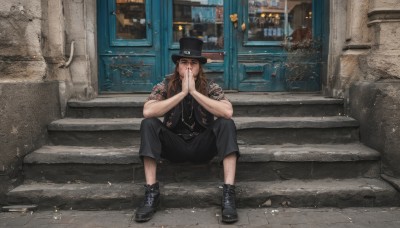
199, 18
273, 20
131, 19
299, 21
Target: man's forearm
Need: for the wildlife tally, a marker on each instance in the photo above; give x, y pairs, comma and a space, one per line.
159, 108
221, 108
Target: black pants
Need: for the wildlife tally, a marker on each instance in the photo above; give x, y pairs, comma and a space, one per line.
158, 142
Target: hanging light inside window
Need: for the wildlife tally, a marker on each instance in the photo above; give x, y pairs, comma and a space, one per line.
309, 15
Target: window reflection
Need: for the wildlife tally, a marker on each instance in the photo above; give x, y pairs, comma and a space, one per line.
199, 18
131, 19
275, 20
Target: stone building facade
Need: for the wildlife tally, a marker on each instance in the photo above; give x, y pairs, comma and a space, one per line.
48, 55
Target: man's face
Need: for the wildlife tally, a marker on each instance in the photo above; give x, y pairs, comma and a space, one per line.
186, 64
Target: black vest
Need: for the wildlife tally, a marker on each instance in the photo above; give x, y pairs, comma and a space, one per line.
171, 118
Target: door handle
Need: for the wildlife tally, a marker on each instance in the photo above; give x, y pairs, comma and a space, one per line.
113, 13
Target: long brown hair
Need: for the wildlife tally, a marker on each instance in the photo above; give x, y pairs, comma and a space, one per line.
175, 83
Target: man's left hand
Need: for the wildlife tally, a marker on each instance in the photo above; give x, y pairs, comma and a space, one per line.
192, 82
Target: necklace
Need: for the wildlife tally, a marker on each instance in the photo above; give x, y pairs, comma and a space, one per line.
190, 126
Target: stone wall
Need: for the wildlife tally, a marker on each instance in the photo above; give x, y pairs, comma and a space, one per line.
376, 105
29, 93
375, 96
26, 109
383, 62
36, 39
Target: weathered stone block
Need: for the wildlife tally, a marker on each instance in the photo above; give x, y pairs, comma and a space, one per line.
376, 105
391, 4
20, 70
21, 28
387, 36
26, 109
350, 71
74, 11
378, 66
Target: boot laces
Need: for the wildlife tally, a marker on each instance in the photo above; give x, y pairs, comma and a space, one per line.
149, 196
149, 201
229, 196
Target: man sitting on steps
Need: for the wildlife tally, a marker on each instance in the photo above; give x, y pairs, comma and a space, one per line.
189, 102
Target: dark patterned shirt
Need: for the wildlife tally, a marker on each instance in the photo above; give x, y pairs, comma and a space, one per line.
159, 92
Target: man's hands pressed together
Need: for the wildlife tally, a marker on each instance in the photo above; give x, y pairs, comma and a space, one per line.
189, 71
188, 82
222, 108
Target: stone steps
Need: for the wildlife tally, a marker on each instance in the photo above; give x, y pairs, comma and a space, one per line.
68, 164
365, 192
123, 132
245, 104
298, 150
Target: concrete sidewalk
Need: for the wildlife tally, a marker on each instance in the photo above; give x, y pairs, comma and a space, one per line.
209, 217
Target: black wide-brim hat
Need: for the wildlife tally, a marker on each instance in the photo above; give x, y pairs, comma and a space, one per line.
190, 47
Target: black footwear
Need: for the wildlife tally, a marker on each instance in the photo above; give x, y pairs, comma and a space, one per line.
150, 203
229, 214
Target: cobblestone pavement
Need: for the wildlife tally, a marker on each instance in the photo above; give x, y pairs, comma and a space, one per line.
209, 217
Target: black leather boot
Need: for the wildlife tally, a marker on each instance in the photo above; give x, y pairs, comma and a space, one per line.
229, 214
150, 203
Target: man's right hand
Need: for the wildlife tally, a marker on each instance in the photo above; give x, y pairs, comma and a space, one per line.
186, 81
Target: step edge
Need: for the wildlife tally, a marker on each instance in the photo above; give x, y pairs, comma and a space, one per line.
295, 122
109, 124
135, 104
293, 193
270, 153
356, 183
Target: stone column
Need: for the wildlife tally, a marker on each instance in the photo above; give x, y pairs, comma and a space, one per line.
80, 26
54, 48
65, 22
356, 44
357, 31
21, 57
384, 24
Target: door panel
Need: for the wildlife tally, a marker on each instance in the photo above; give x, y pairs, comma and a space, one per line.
130, 23
281, 36
129, 51
128, 73
261, 75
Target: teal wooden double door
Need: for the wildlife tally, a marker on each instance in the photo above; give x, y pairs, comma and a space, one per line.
250, 45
